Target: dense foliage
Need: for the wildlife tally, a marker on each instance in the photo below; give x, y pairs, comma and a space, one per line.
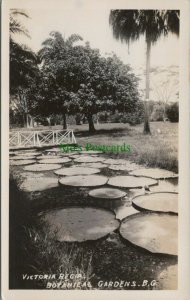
172, 112
77, 79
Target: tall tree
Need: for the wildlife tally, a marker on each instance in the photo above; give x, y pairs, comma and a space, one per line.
109, 86
15, 27
23, 68
78, 80
57, 60
23, 76
129, 25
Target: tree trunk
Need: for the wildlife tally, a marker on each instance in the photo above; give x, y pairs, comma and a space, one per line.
147, 94
91, 124
26, 120
64, 121
31, 121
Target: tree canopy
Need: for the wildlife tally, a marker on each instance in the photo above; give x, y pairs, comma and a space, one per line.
76, 78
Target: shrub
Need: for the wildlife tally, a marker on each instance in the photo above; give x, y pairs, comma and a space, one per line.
172, 112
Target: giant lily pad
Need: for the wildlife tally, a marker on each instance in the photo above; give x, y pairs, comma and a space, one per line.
62, 154
84, 181
89, 159
12, 153
53, 150
158, 202
98, 165
28, 154
74, 156
166, 185
122, 212
20, 157
76, 171
107, 193
48, 157
126, 167
54, 160
80, 224
91, 152
155, 232
42, 167
35, 184
154, 173
22, 162
112, 161
131, 181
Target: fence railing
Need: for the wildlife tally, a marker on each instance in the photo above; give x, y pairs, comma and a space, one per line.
19, 139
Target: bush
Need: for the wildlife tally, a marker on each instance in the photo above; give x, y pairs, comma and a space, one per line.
103, 116
172, 112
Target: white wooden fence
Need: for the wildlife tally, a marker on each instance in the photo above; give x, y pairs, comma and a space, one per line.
18, 139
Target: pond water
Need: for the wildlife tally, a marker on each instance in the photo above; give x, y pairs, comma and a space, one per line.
114, 258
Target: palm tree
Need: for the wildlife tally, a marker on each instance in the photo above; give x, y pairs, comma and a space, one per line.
23, 66
15, 27
129, 25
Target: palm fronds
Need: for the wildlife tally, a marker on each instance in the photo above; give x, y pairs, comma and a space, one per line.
15, 25
129, 25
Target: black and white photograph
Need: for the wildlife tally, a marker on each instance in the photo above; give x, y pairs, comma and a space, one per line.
94, 102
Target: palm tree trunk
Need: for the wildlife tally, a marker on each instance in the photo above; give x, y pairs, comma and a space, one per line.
147, 93
91, 124
64, 121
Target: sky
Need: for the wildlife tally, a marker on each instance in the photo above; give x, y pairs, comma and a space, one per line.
93, 26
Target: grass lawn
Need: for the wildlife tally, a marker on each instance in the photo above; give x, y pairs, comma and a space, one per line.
158, 150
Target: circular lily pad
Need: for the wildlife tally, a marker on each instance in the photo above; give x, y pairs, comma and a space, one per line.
158, 202
12, 153
166, 185
54, 160
48, 157
38, 184
80, 224
42, 167
154, 173
84, 181
89, 159
98, 165
61, 154
131, 181
22, 157
28, 154
155, 232
125, 167
74, 156
91, 152
107, 193
53, 150
22, 162
122, 212
111, 161
76, 171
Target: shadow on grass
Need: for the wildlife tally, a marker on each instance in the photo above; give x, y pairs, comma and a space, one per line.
110, 132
